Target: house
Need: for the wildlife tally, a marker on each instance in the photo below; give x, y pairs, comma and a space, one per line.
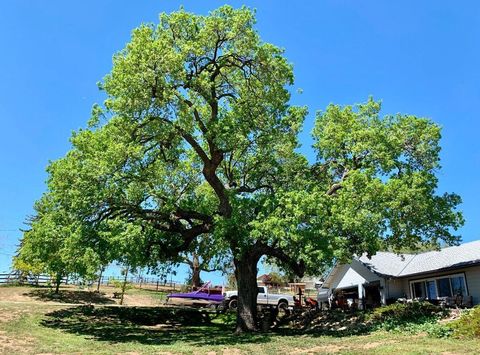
263, 280
444, 275
312, 282
270, 280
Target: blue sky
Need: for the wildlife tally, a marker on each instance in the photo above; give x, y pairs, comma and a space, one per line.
419, 57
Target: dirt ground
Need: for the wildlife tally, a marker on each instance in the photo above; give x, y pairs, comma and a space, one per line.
73, 295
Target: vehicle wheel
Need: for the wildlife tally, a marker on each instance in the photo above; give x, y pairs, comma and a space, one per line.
233, 304
283, 308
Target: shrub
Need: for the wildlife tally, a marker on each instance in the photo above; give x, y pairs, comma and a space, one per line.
468, 325
437, 330
406, 311
410, 317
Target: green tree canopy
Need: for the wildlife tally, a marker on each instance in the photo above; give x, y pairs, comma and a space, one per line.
51, 246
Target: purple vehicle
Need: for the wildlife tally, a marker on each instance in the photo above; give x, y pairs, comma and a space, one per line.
204, 296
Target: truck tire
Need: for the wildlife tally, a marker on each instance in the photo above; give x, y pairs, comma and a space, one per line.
282, 309
233, 304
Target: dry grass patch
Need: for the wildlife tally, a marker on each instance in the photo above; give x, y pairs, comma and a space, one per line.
12, 345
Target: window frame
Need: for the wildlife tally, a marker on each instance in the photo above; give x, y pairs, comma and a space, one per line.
434, 279
449, 278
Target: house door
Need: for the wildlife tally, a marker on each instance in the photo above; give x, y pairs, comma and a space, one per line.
372, 296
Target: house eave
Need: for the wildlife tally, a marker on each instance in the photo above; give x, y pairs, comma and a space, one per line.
462, 265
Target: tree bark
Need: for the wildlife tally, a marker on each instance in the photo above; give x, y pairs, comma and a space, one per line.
195, 266
99, 279
58, 280
246, 274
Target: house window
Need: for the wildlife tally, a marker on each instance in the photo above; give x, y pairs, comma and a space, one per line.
458, 286
431, 290
419, 290
443, 286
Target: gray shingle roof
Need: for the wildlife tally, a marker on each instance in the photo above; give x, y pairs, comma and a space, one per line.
391, 264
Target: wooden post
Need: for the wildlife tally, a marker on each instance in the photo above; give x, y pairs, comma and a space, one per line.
300, 293
157, 284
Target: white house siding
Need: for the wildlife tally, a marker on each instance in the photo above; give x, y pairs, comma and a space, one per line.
397, 288
473, 283
346, 277
352, 275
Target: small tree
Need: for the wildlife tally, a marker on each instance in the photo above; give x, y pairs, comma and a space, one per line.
206, 256
124, 283
41, 249
53, 245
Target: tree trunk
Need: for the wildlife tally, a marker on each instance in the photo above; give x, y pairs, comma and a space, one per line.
124, 285
58, 280
100, 279
195, 266
246, 274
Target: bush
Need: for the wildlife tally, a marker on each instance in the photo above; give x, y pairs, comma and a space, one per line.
409, 317
437, 330
468, 325
406, 312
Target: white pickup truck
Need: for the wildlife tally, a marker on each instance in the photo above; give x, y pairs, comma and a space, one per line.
230, 299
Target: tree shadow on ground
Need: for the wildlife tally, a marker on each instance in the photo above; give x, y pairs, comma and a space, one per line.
148, 325
70, 296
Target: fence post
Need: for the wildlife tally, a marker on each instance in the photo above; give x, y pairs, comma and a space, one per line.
157, 285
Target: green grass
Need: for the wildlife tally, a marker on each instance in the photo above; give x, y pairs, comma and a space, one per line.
34, 327
158, 296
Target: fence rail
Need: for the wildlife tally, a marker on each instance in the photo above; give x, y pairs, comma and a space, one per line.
143, 282
43, 280
40, 280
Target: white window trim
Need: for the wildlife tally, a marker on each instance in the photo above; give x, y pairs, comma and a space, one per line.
435, 278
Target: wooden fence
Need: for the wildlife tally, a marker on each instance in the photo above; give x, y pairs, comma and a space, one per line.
139, 281
39, 280
143, 282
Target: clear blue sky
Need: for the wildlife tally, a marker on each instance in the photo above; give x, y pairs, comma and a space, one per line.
419, 57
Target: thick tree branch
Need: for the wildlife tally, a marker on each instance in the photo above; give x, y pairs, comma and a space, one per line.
337, 186
298, 267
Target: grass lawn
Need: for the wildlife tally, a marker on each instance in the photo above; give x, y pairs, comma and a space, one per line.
33, 322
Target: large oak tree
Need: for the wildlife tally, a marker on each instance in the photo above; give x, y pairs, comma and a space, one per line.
197, 139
